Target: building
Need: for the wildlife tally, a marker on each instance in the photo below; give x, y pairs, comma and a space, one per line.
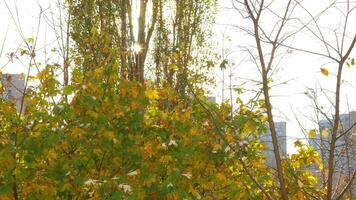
345, 152
13, 87
211, 99
281, 128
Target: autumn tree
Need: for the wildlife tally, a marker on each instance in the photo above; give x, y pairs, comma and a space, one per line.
268, 45
165, 32
124, 113
339, 52
112, 137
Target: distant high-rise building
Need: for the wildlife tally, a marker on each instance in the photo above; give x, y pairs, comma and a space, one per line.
211, 99
13, 87
281, 128
345, 151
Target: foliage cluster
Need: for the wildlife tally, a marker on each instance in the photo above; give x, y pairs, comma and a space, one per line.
120, 135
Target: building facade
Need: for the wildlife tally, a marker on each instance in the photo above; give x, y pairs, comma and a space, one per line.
345, 151
281, 128
13, 87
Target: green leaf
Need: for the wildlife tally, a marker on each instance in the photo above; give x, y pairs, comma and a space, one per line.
79, 180
5, 189
30, 40
223, 64
115, 195
210, 64
68, 89
298, 144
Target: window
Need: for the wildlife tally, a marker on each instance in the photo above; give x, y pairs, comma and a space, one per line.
8, 94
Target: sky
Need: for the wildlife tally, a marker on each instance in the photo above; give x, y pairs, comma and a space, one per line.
296, 70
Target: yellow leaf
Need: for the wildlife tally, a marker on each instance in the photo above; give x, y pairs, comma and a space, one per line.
52, 154
312, 133
300, 183
93, 114
249, 127
97, 151
325, 133
194, 132
165, 159
311, 179
173, 66
216, 147
152, 94
193, 191
321, 166
78, 133
186, 115
94, 31
66, 186
324, 71
229, 138
353, 61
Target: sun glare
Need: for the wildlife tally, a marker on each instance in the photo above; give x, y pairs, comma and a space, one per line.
136, 48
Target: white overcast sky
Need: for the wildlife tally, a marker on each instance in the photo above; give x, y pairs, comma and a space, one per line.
301, 70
